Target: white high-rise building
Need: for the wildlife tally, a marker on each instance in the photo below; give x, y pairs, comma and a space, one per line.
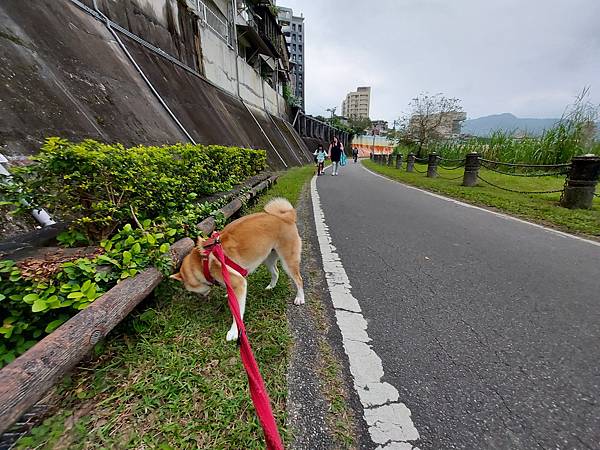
357, 104
293, 30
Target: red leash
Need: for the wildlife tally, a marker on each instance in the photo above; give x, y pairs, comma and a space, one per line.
259, 394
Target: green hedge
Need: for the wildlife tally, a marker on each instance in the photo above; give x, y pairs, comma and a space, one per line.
97, 186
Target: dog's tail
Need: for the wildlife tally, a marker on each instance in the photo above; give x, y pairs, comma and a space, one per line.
280, 207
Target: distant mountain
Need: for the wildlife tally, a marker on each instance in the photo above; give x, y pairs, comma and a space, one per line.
484, 126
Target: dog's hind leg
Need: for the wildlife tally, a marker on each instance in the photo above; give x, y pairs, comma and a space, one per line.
290, 260
271, 263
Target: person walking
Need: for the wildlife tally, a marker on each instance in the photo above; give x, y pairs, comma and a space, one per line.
355, 154
335, 154
320, 156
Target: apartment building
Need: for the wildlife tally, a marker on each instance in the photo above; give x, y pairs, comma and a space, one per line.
379, 127
357, 104
294, 32
446, 125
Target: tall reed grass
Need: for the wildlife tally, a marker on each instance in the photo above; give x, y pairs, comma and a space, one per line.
573, 135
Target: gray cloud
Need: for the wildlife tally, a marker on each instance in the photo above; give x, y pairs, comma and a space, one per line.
528, 57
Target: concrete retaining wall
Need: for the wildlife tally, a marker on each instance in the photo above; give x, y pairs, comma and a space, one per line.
218, 61
64, 75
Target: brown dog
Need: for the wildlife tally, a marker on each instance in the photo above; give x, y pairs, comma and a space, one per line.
249, 241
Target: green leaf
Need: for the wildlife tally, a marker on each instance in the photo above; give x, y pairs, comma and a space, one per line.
75, 295
136, 248
91, 292
151, 239
85, 286
30, 298
126, 257
54, 325
39, 305
164, 248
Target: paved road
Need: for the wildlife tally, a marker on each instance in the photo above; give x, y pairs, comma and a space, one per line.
488, 328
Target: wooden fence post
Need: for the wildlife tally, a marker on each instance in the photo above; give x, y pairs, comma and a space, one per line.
432, 163
399, 161
471, 169
581, 182
410, 162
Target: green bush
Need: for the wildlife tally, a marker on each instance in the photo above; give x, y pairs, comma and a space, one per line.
99, 187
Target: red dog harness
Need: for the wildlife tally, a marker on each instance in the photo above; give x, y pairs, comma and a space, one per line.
208, 246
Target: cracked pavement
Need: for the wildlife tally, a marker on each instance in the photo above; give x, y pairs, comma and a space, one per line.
488, 328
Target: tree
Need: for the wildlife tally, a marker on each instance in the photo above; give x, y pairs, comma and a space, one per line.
359, 125
430, 117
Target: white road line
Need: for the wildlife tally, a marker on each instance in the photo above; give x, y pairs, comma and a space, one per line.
504, 216
389, 420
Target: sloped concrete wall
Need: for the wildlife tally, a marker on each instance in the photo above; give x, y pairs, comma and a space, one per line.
64, 75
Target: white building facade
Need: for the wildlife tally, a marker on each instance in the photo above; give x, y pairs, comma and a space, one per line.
357, 104
294, 31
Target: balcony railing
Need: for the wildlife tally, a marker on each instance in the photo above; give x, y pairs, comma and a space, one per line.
215, 21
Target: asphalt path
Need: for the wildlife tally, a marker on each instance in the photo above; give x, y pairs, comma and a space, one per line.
489, 328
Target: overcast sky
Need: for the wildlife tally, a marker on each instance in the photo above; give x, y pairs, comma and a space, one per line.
527, 57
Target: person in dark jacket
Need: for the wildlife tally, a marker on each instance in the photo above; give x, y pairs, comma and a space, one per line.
355, 154
335, 154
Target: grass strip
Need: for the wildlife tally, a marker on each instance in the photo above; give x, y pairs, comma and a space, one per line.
540, 208
165, 378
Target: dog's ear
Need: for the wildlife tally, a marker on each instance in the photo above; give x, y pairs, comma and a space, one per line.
177, 276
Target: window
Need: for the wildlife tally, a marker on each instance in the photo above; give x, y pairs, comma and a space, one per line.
300, 58
300, 37
300, 28
294, 26
300, 47
294, 47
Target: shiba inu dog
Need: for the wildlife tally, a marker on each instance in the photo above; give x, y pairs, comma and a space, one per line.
249, 241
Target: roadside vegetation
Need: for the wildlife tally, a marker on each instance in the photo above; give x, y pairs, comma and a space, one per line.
575, 134
166, 377
125, 206
541, 208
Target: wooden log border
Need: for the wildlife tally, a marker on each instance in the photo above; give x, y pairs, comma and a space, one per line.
25, 380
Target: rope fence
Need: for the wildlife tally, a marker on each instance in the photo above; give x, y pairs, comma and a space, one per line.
534, 174
523, 165
448, 178
581, 174
419, 171
518, 191
451, 160
455, 167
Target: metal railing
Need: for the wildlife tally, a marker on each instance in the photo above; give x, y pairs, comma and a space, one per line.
217, 24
